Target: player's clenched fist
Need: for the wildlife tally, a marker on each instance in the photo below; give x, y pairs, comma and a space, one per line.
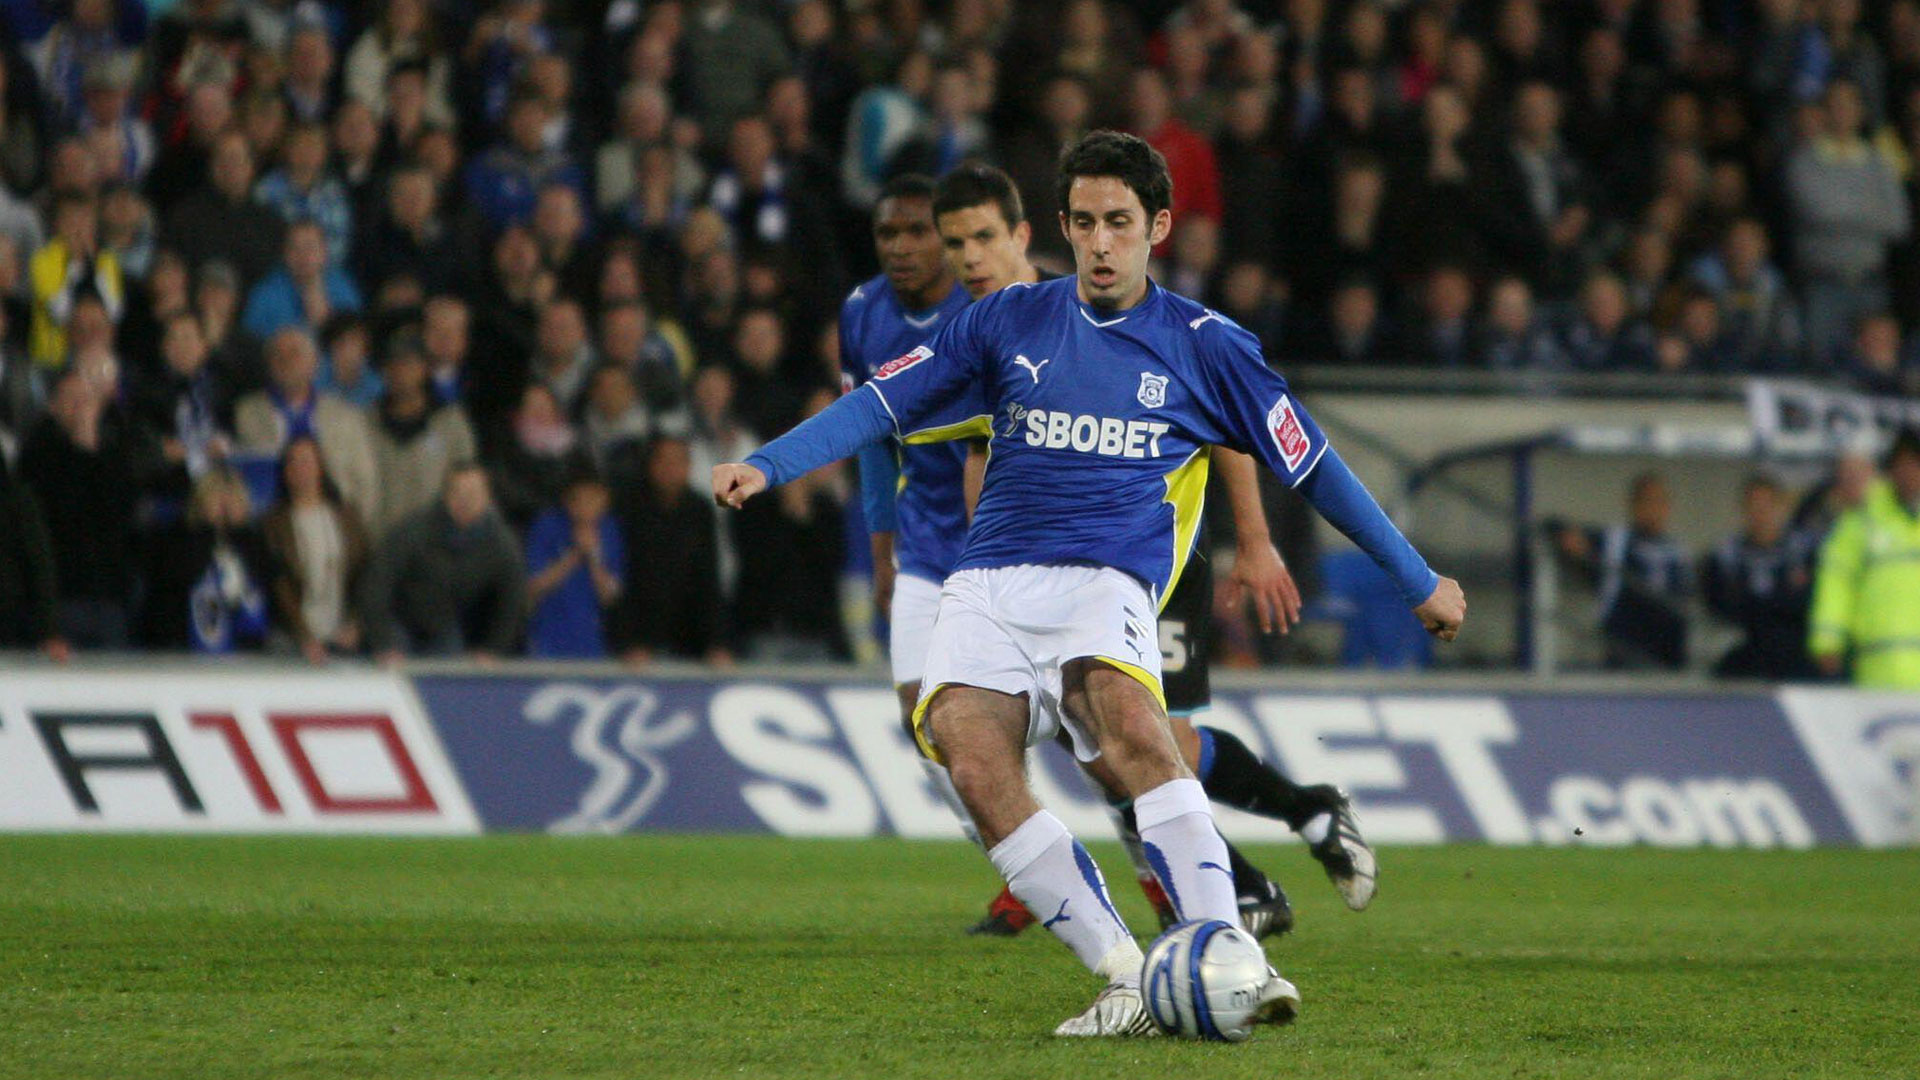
733, 485
1444, 611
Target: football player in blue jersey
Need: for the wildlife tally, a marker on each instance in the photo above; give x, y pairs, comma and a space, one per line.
985, 232
1102, 395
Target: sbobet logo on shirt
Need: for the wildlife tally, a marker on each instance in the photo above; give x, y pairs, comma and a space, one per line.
901, 363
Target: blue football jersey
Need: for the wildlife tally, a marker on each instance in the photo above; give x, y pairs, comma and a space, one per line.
1100, 422
930, 505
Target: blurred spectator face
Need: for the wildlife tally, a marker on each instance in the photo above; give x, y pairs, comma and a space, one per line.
1305, 16
954, 96
1761, 512
291, 363
1355, 309
1196, 245
1877, 344
1603, 303
788, 106
307, 152
1602, 57
1536, 113
232, 166
1367, 32
77, 225
612, 394
909, 247
719, 277
1684, 174
263, 120
1649, 255
1679, 119
587, 501
705, 231
1449, 295
1904, 472
1466, 66
167, 283
557, 218
405, 372
220, 501
444, 331
90, 328
468, 497
1256, 58
538, 422
1359, 191
750, 149
1065, 104
184, 346
404, 19
763, 281
1852, 473
527, 125
1444, 115
346, 351
515, 256
1084, 24
644, 113
1727, 188
620, 279
306, 252
436, 149
759, 340
915, 76
1149, 105
1244, 289
623, 333
1650, 507
1840, 17
303, 471
74, 168
410, 199
669, 468
551, 79
209, 111
982, 251
650, 59
1249, 113
1519, 28
1845, 114
97, 364
1354, 97
1510, 307
75, 405
810, 22
562, 331
399, 292
309, 57
1187, 56
713, 394
1745, 249
1699, 320
123, 212
1427, 36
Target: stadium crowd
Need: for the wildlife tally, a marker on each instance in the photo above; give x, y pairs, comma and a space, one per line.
412, 327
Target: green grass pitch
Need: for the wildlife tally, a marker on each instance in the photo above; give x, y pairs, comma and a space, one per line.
643, 957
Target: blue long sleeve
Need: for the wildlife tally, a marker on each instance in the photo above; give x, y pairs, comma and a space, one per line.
1345, 502
879, 484
835, 432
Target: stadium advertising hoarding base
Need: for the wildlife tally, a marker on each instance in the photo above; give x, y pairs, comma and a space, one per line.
805, 758
363, 751
198, 751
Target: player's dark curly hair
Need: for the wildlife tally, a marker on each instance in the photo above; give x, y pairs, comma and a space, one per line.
975, 183
908, 185
1128, 158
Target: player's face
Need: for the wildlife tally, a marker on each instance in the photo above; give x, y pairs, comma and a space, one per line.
908, 247
1111, 236
982, 251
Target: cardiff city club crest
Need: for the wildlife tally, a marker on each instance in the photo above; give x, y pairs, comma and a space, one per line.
1153, 390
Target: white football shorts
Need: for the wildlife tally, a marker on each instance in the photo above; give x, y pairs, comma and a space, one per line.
1013, 628
910, 625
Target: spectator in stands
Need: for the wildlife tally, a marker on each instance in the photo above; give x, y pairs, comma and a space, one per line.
564, 356
1354, 242
535, 457
1761, 580
69, 266
576, 565
206, 577
1196, 173
317, 551
1643, 578
1355, 332
672, 604
186, 409
1756, 308
1848, 206
28, 578
787, 605
1695, 342
291, 407
882, 120
1604, 336
305, 291
448, 580
1444, 337
1874, 362
1513, 337
732, 56
503, 183
416, 440
446, 334
1532, 196
406, 31
220, 220
614, 424
346, 362
1866, 594
302, 190
216, 300
22, 393
80, 471
768, 399
127, 230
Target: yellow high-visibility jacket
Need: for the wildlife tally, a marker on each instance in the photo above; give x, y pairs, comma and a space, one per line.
53, 300
1866, 592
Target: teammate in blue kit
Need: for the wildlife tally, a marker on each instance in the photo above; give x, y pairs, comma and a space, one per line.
1101, 395
985, 232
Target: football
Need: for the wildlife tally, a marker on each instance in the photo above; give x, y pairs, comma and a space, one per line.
1202, 980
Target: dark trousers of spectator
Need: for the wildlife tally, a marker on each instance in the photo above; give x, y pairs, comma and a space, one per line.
1644, 633
1833, 306
93, 624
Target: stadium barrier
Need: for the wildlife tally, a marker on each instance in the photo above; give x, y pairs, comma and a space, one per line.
564, 750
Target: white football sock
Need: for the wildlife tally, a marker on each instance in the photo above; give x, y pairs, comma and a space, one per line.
942, 782
1055, 877
1130, 840
1186, 851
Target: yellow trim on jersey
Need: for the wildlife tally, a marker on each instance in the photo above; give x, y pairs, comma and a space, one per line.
1140, 674
1187, 494
974, 427
920, 724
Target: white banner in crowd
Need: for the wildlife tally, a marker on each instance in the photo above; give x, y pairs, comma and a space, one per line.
1798, 418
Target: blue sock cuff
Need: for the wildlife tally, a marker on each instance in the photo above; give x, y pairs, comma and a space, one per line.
1205, 768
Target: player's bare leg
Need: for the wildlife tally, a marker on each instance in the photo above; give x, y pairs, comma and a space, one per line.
982, 735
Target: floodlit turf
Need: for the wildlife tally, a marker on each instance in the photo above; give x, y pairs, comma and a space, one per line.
135, 957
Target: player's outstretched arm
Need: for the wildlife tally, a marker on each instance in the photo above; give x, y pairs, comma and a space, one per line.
835, 432
733, 485
1443, 611
1345, 502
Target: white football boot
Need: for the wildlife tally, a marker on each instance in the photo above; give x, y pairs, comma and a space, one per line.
1118, 1011
1279, 1001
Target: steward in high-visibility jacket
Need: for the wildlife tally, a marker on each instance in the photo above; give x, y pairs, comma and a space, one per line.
1866, 592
